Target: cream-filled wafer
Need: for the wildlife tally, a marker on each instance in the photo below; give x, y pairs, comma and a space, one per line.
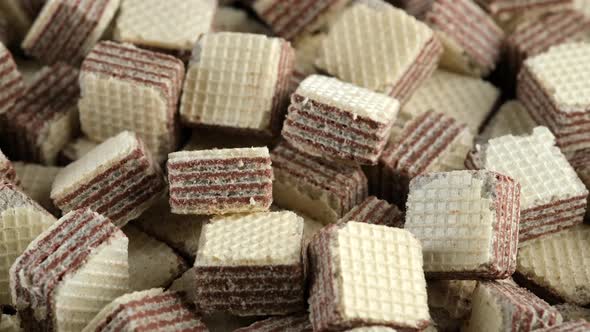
417, 8
375, 211
70, 272
355, 50
149, 310
467, 222
7, 169
364, 275
118, 178
338, 121
323, 190
127, 88
220, 181
511, 119
552, 195
12, 86
44, 120
251, 265
502, 306
452, 296
238, 81
293, 323
36, 181
505, 10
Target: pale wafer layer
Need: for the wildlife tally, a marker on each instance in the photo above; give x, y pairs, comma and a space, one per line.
36, 182
452, 296
511, 119
11, 82
375, 211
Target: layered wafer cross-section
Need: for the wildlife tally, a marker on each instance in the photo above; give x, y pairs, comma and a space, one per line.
503, 306
323, 190
149, 310
7, 170
70, 272
554, 88
467, 222
552, 195
12, 86
375, 211
66, 30
119, 179
238, 81
220, 181
251, 265
511, 119
505, 10
126, 88
292, 323
356, 51
44, 120
364, 275
339, 121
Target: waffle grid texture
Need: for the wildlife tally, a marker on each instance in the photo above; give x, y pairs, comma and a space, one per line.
511, 119
12, 86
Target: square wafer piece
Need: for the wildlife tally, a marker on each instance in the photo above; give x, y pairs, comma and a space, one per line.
66, 30
339, 121
554, 88
261, 254
70, 272
511, 118
12, 86
171, 25
375, 211
417, 8
556, 265
238, 81
7, 170
464, 98
472, 41
431, 142
126, 88
452, 296
149, 310
467, 222
366, 274
356, 51
323, 190
502, 306
294, 323
220, 181
118, 178
552, 196
36, 181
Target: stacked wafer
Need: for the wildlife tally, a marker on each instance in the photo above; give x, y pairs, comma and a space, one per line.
41, 123
323, 190
395, 63
11, 82
552, 196
259, 252
471, 39
416, 8
70, 272
553, 88
220, 181
505, 10
36, 180
7, 170
118, 178
375, 211
126, 88
55, 36
295, 323
511, 118
339, 121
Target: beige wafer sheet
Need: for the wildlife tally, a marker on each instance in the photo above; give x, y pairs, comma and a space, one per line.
465, 98
170, 24
36, 181
356, 50
511, 119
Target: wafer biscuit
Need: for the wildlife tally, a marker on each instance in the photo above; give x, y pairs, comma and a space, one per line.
260, 252
150, 310
575, 326
45, 118
220, 181
375, 211
472, 41
339, 121
118, 178
125, 88
557, 265
505, 10
395, 63
417, 8
294, 323
452, 296
511, 118
366, 274
69, 273
323, 190
36, 180
238, 81
552, 196
7, 170
12, 86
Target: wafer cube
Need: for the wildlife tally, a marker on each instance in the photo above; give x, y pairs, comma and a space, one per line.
118, 179
294, 323
12, 86
356, 51
366, 274
41, 123
36, 181
553, 86
238, 81
323, 190
502, 306
260, 252
511, 118
7, 170
465, 98
69, 273
552, 196
452, 296
220, 181
126, 88
417, 8
375, 211
557, 264
149, 310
